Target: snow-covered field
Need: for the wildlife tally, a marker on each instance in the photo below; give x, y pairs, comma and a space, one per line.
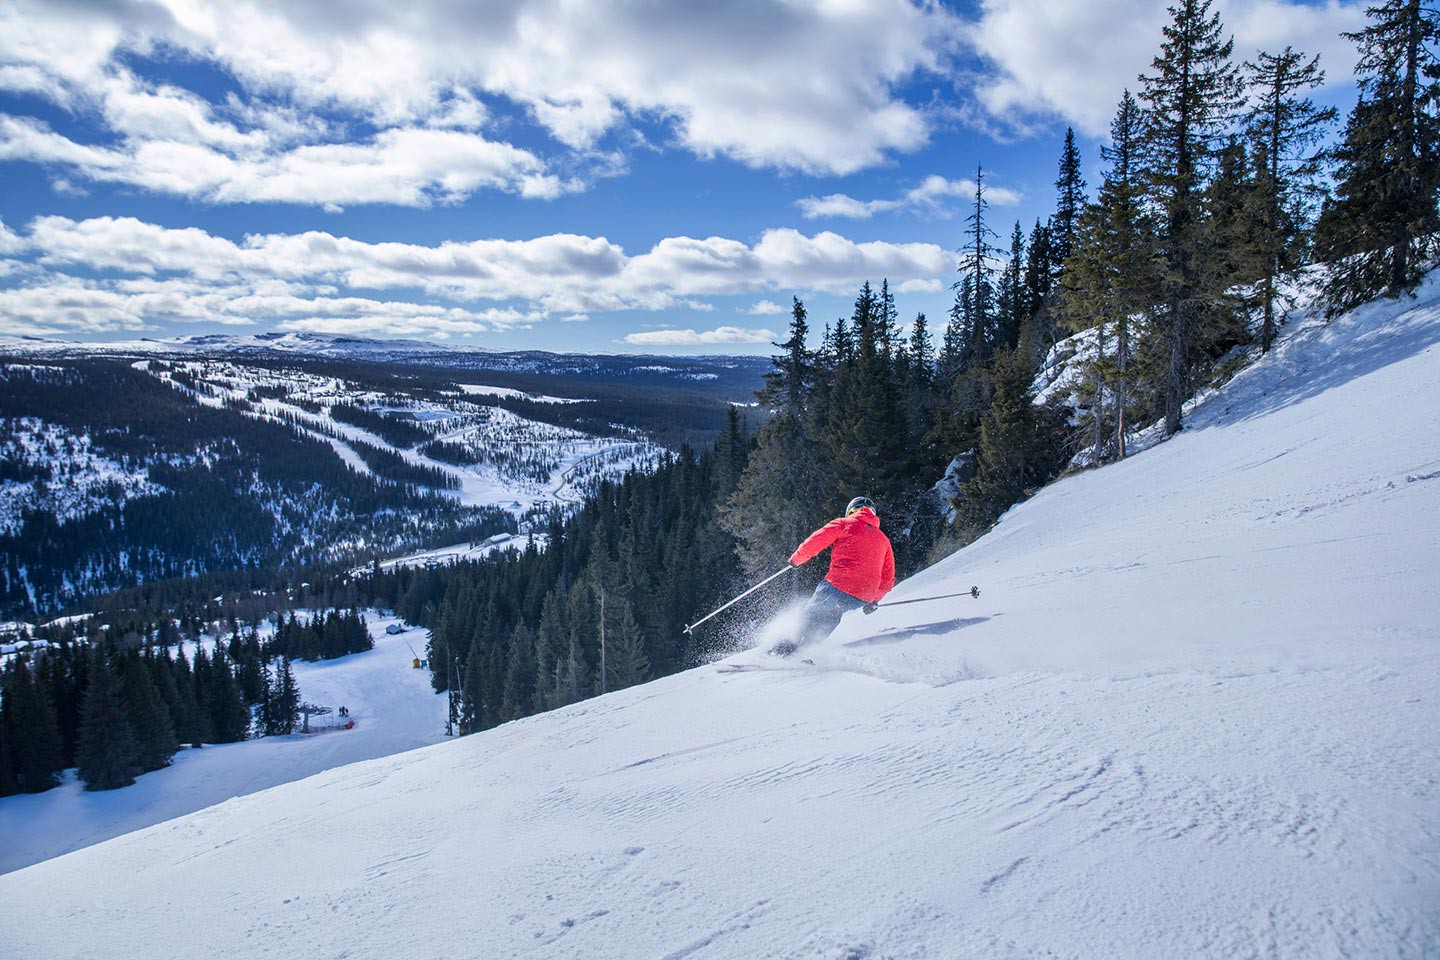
1193, 713
467, 551
392, 704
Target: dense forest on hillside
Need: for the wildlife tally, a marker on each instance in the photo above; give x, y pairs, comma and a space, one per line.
185, 488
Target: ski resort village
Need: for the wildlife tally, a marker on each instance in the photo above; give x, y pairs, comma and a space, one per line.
890, 480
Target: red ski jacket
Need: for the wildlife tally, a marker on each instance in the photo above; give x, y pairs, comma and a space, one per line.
862, 563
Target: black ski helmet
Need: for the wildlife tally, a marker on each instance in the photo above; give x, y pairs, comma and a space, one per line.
859, 503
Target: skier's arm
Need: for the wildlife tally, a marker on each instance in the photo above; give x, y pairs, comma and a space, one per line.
887, 572
817, 541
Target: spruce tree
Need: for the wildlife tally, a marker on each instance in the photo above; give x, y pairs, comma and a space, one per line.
1189, 103
1112, 276
1011, 297
788, 385
29, 728
1380, 230
154, 736
1020, 447
1284, 126
976, 263
1069, 200
107, 755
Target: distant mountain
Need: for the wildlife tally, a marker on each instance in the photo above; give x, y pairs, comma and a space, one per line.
293, 346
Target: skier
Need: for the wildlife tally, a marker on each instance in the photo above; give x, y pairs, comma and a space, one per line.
862, 571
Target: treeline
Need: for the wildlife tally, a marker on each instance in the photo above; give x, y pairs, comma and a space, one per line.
603, 607
395, 429
118, 703
116, 710
334, 635
1215, 199
1212, 203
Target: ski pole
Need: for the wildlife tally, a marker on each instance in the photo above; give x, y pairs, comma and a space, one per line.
742, 596
972, 592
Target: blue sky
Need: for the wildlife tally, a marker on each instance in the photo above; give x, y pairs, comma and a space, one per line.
602, 177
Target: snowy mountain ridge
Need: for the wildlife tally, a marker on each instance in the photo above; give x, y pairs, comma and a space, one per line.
1192, 713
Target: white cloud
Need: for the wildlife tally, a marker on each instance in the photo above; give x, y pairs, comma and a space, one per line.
166, 275
56, 304
562, 273
10, 242
692, 338
411, 167
928, 196
1058, 58
765, 308
806, 86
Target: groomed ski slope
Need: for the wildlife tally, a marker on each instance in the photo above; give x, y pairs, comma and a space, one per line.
1193, 713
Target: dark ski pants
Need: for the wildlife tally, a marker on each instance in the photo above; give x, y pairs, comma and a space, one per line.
822, 614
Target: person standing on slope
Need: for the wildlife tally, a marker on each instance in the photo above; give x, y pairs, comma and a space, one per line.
862, 571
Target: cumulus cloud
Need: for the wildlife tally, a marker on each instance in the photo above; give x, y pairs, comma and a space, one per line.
61, 305
765, 308
411, 167
693, 338
167, 274
725, 79
10, 242
928, 196
1058, 58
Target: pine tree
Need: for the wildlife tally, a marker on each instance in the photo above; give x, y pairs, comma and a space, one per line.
788, 386
1069, 200
976, 263
1189, 101
1284, 127
1019, 447
107, 755
472, 690
29, 729
1011, 295
1380, 230
155, 740
1112, 276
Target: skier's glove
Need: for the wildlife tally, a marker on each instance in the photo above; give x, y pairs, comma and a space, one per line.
871, 608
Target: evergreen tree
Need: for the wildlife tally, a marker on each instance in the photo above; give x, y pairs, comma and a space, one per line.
107, 755
1189, 101
1112, 276
1020, 447
1011, 299
149, 720
977, 259
1380, 230
29, 730
1069, 201
788, 385
472, 690
1283, 125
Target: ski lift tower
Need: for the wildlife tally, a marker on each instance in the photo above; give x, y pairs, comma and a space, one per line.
308, 710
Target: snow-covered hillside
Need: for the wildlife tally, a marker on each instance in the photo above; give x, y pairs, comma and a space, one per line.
1193, 713
393, 706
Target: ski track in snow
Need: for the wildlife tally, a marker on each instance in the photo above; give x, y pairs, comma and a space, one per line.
1192, 713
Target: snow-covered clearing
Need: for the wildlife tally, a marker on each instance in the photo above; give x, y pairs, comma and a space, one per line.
475, 389
392, 704
1193, 713
470, 550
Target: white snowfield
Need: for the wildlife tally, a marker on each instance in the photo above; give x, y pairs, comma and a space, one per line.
393, 706
1192, 713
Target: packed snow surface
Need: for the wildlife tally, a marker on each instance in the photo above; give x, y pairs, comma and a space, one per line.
393, 706
1192, 713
